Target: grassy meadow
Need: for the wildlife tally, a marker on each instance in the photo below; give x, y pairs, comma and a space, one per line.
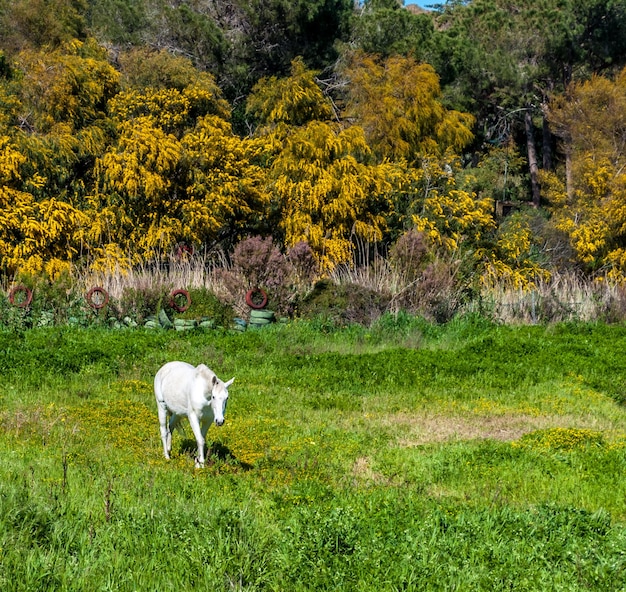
404, 456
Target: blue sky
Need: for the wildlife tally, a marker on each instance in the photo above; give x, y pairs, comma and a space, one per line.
423, 3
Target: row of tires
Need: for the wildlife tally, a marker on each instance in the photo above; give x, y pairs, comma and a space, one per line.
180, 300
258, 319
21, 296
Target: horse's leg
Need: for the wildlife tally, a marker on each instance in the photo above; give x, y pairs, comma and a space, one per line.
197, 432
166, 435
174, 421
204, 428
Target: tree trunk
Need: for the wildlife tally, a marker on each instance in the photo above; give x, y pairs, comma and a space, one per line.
532, 158
569, 175
547, 144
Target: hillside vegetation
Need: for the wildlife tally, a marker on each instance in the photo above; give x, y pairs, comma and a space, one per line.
489, 135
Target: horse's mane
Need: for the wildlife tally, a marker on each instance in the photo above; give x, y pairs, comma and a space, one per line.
205, 372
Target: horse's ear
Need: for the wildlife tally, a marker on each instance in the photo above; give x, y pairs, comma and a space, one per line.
227, 384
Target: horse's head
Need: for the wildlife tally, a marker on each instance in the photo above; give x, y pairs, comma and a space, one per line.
219, 399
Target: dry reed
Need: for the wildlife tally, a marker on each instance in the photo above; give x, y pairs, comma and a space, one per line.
191, 272
565, 297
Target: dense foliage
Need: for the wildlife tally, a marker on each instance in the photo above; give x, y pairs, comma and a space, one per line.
130, 128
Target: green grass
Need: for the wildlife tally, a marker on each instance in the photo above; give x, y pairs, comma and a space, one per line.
405, 456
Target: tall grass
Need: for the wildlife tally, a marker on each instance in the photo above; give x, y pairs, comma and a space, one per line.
435, 287
401, 456
192, 272
565, 297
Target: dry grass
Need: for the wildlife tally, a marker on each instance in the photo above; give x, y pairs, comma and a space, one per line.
565, 297
193, 272
363, 473
429, 428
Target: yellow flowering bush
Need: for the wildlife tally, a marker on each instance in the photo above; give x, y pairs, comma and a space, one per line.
114, 168
427, 198
397, 102
328, 193
511, 259
176, 173
589, 205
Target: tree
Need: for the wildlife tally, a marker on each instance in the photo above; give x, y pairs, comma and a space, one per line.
175, 173
509, 57
225, 183
385, 28
52, 124
118, 177
590, 203
34, 24
513, 259
35, 235
277, 31
397, 102
429, 199
294, 100
326, 186
328, 193
238, 41
58, 120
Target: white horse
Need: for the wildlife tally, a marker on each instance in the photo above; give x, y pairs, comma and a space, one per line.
196, 392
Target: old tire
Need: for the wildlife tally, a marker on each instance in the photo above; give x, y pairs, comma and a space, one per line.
27, 299
180, 307
256, 298
262, 314
101, 298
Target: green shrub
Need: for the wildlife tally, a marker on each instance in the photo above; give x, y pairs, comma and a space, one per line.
138, 303
343, 304
205, 304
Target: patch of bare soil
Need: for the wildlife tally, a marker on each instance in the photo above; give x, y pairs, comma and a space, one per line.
417, 430
363, 472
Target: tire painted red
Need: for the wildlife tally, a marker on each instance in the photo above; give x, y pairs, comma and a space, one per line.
177, 307
252, 298
28, 296
101, 294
